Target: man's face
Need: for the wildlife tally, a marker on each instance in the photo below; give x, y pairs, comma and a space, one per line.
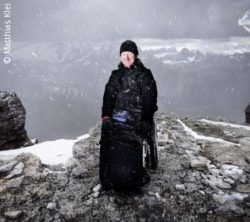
127, 59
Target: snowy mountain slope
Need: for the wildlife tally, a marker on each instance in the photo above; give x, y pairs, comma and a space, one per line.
62, 83
215, 46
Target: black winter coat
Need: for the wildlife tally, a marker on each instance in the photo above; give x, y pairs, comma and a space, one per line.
119, 80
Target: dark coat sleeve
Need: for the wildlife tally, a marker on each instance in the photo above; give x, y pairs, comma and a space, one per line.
109, 96
149, 96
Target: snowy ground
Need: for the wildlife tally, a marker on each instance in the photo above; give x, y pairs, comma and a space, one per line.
50, 152
202, 137
226, 124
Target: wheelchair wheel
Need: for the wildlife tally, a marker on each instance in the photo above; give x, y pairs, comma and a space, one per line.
154, 149
150, 150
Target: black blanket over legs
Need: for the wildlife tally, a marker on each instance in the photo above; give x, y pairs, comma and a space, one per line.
121, 164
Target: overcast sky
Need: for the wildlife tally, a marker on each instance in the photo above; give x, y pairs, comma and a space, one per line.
77, 20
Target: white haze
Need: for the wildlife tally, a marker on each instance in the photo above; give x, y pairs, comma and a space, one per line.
63, 53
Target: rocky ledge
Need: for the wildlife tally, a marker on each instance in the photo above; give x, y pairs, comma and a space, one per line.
203, 175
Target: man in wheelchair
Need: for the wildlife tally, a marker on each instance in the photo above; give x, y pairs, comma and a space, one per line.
128, 143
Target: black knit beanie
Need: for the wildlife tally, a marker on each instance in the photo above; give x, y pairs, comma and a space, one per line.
129, 46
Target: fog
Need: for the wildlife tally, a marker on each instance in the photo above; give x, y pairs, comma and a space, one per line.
78, 20
63, 53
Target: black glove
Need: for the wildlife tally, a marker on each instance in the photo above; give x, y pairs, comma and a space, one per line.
107, 126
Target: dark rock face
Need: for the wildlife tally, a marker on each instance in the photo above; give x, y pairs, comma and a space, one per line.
247, 114
199, 179
12, 122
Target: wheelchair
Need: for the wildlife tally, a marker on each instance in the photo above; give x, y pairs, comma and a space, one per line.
149, 141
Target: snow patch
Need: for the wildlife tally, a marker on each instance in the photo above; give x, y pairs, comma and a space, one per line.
201, 137
235, 196
225, 124
50, 152
231, 169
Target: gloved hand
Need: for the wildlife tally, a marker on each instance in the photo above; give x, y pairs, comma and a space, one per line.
105, 119
105, 129
106, 124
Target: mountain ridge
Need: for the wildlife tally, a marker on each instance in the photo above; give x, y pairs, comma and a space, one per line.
60, 80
